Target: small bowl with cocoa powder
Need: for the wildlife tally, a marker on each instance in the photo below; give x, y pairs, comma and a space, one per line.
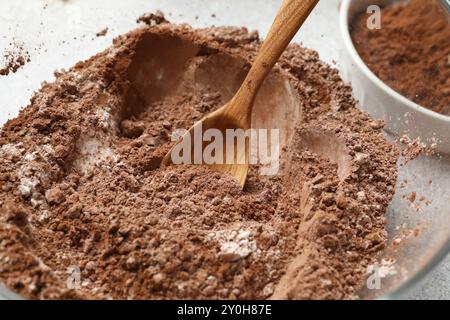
397, 58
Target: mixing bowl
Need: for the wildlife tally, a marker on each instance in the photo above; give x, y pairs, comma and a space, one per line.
408, 260
402, 115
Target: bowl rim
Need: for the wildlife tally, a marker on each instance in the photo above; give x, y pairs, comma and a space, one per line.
8, 294
350, 47
404, 288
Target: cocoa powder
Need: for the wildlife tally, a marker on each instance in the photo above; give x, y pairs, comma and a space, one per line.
411, 51
81, 183
14, 59
102, 33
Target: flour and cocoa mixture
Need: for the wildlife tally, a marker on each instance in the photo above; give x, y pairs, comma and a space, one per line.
81, 183
411, 51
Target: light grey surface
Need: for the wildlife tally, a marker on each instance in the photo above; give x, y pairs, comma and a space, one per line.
436, 286
64, 32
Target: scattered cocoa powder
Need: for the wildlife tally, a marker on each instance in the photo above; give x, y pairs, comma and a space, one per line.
411, 51
81, 183
152, 18
412, 197
102, 33
412, 149
406, 233
417, 202
14, 59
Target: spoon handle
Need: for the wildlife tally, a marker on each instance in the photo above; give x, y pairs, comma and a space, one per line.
290, 18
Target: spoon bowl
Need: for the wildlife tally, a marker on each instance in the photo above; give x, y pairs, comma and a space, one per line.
220, 121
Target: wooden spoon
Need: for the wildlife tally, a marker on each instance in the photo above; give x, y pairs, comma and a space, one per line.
236, 114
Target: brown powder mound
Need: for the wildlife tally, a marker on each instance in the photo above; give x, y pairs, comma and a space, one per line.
81, 183
411, 51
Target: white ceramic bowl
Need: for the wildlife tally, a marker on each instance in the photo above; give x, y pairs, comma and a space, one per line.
402, 116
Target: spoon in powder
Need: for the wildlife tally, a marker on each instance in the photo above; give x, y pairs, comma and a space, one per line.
237, 113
